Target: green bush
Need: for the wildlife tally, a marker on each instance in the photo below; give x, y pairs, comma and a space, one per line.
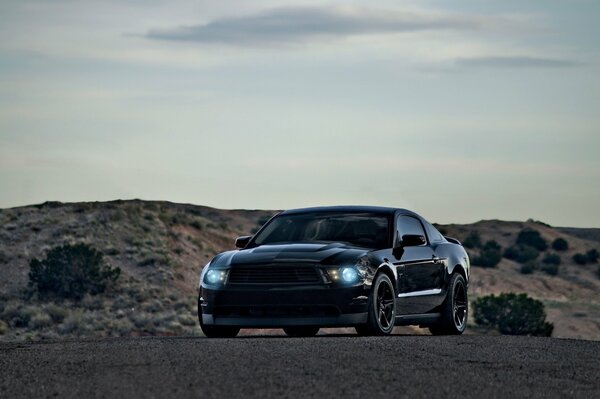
56, 312
550, 264
529, 267
196, 224
71, 271
580, 259
512, 314
550, 268
18, 315
552, 259
473, 240
560, 244
40, 321
532, 238
521, 253
592, 256
489, 256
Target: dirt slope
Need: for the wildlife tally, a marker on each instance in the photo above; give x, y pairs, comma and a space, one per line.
162, 246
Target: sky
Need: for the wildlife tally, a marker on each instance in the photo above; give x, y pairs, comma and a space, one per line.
460, 111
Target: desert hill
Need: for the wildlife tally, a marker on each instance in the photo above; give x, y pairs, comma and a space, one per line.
162, 246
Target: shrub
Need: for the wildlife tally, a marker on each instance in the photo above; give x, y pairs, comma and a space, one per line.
40, 321
71, 271
592, 255
560, 244
123, 302
529, 267
532, 238
81, 323
196, 224
521, 253
57, 313
3, 327
473, 240
17, 315
580, 259
489, 256
187, 320
550, 264
550, 268
598, 271
154, 306
552, 259
512, 314
142, 320
92, 303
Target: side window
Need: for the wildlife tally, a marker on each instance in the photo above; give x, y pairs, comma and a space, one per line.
409, 225
434, 234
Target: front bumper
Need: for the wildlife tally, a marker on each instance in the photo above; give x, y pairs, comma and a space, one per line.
264, 307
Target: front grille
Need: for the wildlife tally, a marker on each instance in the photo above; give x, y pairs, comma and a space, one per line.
274, 275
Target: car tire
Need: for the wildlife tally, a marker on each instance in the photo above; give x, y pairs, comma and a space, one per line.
217, 331
301, 331
455, 309
382, 308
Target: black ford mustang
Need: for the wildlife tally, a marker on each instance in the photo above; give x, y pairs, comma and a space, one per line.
347, 266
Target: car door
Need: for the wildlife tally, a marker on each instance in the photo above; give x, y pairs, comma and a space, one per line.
420, 271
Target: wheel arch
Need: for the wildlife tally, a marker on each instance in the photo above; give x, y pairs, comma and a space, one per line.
459, 263
390, 272
460, 270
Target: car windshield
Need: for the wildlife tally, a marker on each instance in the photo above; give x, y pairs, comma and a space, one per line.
365, 230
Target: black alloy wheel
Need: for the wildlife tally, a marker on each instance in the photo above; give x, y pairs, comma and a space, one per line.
455, 309
382, 308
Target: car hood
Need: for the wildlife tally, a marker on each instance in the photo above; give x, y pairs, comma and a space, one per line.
327, 254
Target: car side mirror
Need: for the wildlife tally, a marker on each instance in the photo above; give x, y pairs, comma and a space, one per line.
242, 241
413, 240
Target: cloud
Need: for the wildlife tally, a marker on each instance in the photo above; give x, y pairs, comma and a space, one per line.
293, 24
515, 62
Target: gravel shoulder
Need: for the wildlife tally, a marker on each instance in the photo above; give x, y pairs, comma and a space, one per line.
323, 366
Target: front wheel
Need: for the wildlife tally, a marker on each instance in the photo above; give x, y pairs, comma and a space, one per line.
301, 331
219, 331
382, 308
216, 331
454, 309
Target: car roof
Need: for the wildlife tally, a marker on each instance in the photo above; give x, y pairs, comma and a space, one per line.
349, 208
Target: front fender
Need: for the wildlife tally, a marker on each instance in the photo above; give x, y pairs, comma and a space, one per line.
384, 267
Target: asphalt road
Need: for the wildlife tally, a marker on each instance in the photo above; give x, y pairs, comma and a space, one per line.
324, 366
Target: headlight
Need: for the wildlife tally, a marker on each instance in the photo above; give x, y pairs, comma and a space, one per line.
344, 274
215, 276
349, 274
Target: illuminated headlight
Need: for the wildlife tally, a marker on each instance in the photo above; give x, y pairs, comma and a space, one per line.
215, 276
344, 275
349, 274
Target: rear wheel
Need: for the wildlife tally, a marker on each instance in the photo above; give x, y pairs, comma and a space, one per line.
454, 309
301, 331
382, 308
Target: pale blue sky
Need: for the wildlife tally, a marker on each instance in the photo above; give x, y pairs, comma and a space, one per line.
461, 110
